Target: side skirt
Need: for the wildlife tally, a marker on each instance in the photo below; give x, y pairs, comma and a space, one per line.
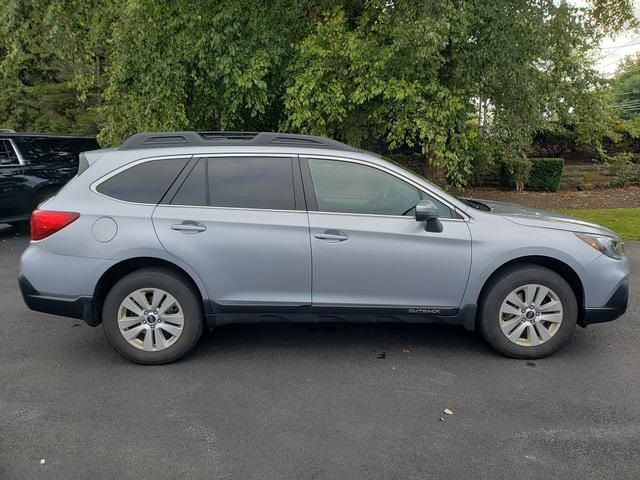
224, 315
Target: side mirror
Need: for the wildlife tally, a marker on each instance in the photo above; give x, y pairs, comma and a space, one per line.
427, 211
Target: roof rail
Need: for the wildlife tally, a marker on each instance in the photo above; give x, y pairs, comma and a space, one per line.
198, 139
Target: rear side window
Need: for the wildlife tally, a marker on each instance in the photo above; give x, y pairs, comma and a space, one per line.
193, 191
240, 182
8, 155
251, 182
143, 183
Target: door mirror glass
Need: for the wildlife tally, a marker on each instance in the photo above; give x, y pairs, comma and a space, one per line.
427, 211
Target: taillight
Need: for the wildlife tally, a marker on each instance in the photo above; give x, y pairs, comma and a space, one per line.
45, 222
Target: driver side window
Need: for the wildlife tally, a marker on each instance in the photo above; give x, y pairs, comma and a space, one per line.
346, 187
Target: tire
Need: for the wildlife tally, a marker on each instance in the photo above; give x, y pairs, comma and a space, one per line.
143, 285
500, 310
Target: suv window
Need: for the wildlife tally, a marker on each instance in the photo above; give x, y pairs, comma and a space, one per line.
143, 183
240, 182
193, 191
8, 155
54, 149
251, 182
347, 187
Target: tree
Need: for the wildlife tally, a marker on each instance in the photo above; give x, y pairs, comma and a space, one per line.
378, 74
625, 88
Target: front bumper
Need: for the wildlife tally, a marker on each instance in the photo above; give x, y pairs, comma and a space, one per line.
79, 307
614, 308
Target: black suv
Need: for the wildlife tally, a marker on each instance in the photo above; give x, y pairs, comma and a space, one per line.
35, 166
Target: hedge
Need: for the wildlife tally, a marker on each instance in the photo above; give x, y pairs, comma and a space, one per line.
514, 172
545, 174
535, 173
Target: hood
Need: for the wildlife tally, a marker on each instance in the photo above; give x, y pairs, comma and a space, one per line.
535, 217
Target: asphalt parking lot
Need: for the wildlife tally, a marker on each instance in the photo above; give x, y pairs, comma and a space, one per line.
313, 402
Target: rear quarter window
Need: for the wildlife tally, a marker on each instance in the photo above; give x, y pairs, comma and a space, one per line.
146, 182
8, 155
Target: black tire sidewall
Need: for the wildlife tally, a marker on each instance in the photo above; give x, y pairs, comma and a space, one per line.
172, 284
503, 286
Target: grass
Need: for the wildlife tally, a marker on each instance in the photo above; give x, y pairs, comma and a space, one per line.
624, 221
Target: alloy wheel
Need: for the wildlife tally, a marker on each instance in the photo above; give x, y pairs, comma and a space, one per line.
530, 315
150, 319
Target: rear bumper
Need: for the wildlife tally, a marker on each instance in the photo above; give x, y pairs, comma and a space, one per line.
79, 307
614, 308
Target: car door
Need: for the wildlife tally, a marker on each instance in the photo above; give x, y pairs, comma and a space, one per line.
14, 187
240, 222
367, 248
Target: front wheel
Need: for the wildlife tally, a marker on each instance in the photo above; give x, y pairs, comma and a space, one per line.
152, 316
528, 312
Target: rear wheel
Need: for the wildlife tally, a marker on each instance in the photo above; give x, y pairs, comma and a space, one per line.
528, 312
152, 316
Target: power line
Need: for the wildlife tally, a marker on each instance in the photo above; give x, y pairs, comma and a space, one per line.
633, 69
635, 41
614, 62
626, 107
617, 48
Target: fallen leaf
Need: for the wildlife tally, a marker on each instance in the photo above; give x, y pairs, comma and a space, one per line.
447, 411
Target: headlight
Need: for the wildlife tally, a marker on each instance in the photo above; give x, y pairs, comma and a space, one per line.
610, 246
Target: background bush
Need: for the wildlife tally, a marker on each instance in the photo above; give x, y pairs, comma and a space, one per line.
545, 174
514, 172
624, 170
486, 158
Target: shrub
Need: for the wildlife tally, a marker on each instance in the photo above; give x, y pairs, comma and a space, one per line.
514, 172
485, 160
623, 169
546, 174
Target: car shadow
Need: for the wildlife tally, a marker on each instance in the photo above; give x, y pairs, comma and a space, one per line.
379, 339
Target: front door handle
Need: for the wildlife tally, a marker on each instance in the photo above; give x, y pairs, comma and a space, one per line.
189, 227
332, 236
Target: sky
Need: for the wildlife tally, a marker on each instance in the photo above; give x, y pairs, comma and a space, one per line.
612, 50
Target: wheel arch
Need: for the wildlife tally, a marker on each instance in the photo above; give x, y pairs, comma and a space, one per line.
553, 264
114, 273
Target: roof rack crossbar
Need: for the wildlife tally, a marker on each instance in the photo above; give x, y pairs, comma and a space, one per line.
192, 139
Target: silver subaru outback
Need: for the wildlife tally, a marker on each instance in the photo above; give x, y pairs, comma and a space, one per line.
174, 231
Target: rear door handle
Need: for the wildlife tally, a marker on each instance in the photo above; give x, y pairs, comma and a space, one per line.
189, 227
332, 236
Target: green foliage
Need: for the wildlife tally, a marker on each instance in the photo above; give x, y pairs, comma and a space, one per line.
514, 172
624, 94
624, 170
486, 158
37, 91
374, 73
545, 174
